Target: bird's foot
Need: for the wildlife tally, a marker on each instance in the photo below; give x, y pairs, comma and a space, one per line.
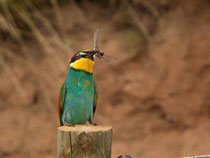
94, 124
69, 124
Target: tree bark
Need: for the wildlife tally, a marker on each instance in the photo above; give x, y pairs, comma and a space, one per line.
84, 141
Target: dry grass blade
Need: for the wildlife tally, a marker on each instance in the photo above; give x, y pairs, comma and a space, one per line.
41, 39
43, 78
55, 35
14, 79
29, 64
80, 12
140, 25
5, 25
12, 27
57, 38
59, 17
25, 17
150, 7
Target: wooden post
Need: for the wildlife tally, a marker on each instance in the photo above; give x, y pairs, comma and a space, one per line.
84, 141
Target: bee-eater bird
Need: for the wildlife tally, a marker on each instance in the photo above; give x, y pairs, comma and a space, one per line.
78, 94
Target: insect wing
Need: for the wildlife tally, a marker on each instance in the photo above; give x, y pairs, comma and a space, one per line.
108, 59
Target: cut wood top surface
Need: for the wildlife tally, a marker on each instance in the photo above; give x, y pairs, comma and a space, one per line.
84, 128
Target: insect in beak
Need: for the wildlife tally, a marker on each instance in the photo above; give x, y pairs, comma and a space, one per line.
97, 53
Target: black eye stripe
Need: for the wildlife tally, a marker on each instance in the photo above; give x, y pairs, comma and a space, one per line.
75, 58
78, 56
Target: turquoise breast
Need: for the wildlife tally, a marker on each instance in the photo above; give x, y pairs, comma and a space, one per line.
79, 97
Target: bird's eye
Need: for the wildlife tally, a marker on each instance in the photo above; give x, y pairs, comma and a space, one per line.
78, 56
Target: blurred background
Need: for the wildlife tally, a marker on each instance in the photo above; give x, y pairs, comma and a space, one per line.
156, 95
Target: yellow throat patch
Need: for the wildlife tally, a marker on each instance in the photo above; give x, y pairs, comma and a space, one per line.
84, 64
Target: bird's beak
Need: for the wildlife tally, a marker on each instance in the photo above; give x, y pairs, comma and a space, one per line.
91, 56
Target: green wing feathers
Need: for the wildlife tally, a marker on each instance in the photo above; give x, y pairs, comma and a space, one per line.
61, 102
62, 99
95, 99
